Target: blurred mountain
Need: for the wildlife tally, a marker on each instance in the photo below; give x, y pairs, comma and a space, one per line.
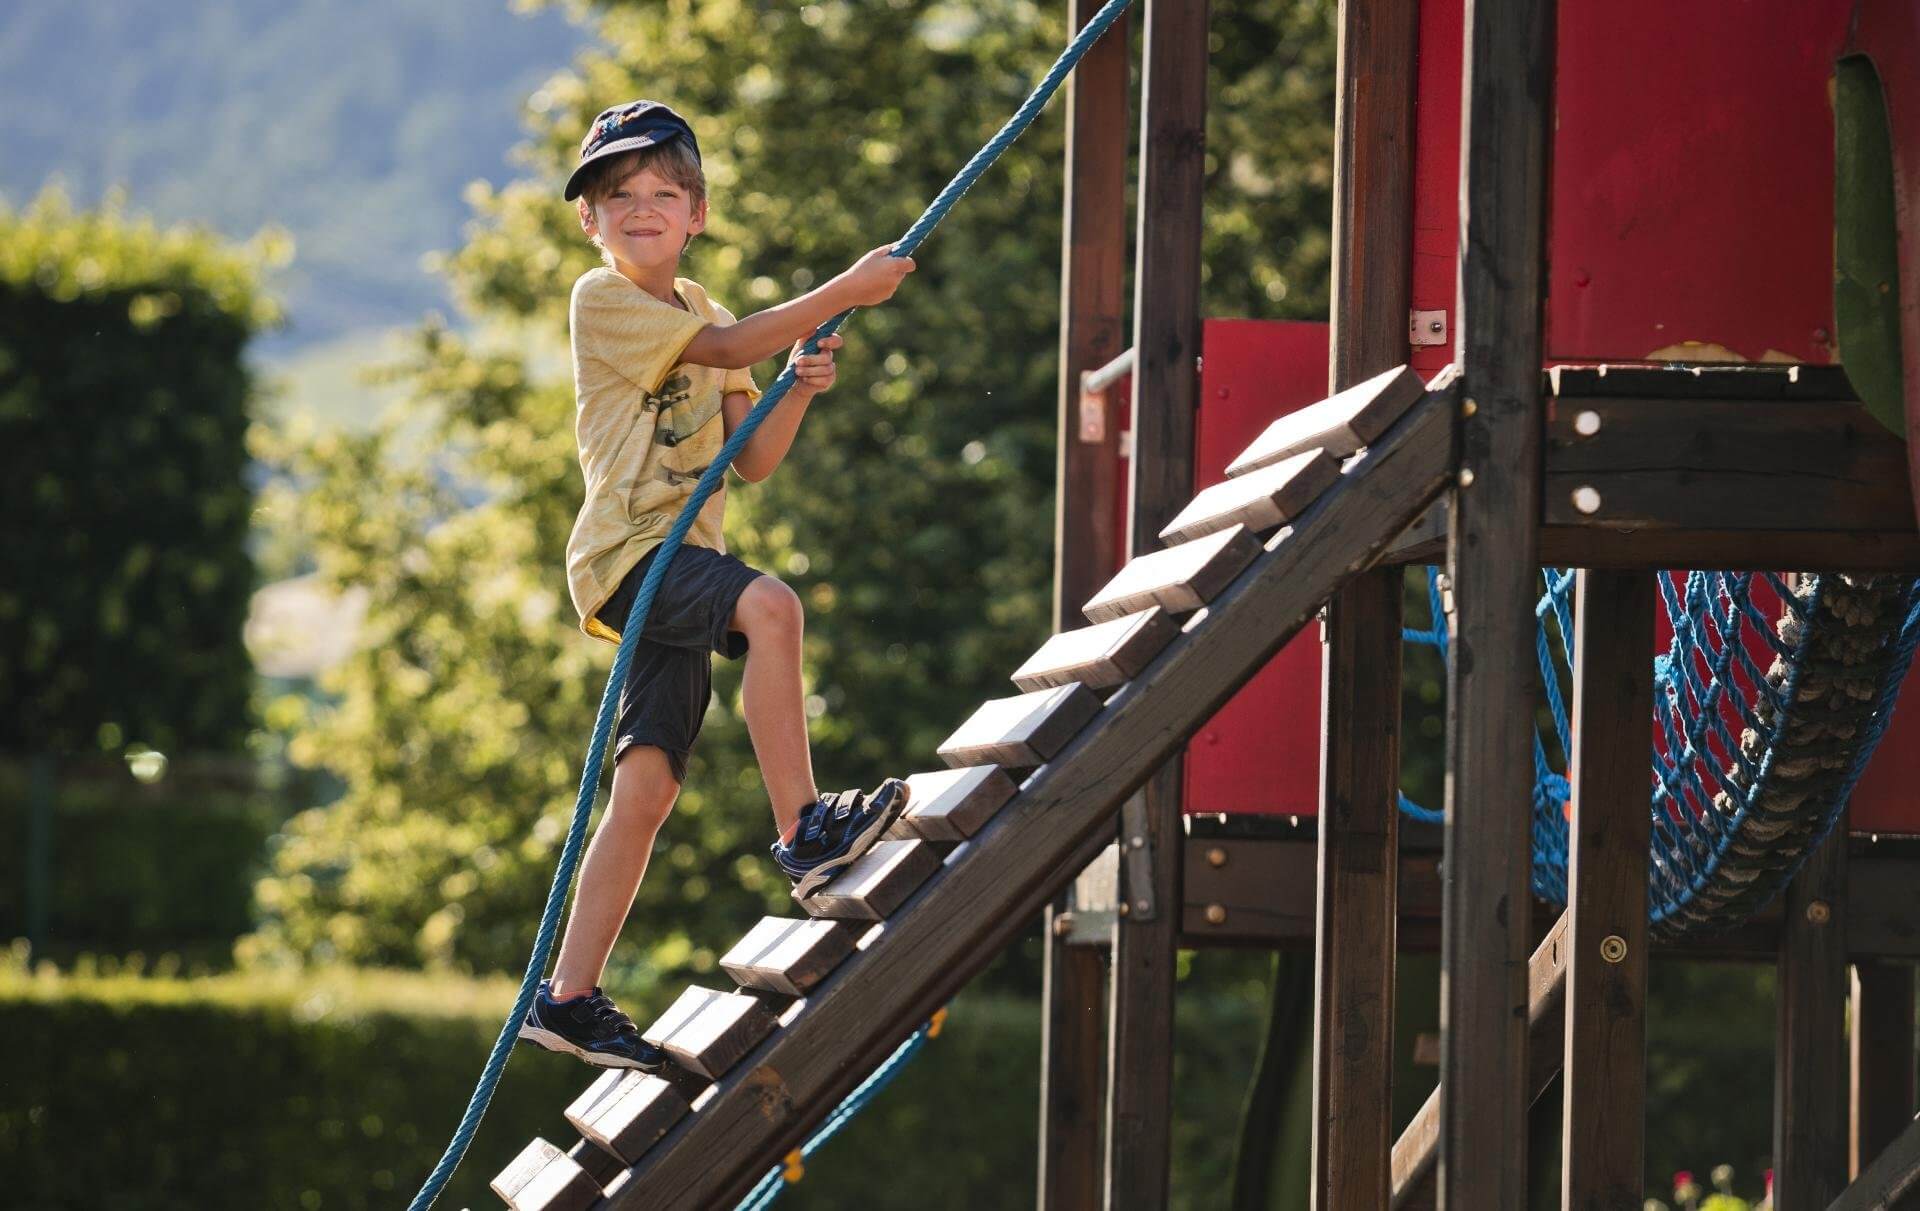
353, 124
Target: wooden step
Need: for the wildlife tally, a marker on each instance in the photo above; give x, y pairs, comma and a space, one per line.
789, 954
543, 1178
1099, 657
1179, 579
707, 1032
1259, 500
877, 882
1021, 732
952, 804
1339, 424
625, 1111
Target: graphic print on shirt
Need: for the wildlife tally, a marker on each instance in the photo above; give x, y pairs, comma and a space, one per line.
677, 423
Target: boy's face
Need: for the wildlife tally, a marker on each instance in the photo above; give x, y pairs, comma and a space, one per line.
644, 222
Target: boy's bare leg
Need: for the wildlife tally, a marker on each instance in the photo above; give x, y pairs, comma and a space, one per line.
769, 614
644, 789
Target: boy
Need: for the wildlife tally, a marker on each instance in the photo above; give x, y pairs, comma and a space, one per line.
660, 373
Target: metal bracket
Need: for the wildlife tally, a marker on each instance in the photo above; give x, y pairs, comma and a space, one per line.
1136, 861
1427, 328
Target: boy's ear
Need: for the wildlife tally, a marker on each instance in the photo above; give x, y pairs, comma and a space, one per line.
587, 223
697, 220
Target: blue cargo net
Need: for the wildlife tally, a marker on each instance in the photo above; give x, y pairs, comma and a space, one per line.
1768, 701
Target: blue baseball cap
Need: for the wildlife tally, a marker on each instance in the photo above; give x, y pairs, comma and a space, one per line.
629, 127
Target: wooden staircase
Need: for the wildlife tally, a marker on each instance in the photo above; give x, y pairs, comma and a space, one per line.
1028, 801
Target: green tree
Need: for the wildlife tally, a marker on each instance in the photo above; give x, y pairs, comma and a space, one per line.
123, 412
914, 516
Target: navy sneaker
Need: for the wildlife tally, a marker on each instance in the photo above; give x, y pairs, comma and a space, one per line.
591, 1027
835, 830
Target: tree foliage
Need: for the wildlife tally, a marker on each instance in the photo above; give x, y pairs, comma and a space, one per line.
123, 412
914, 516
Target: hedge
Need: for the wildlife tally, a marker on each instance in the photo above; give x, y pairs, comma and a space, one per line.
333, 1092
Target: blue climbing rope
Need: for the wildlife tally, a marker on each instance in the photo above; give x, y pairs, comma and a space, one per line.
643, 602
770, 1187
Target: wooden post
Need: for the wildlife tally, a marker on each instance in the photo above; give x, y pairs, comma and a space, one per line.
1092, 332
1882, 1058
1493, 560
1360, 699
1603, 1125
1359, 866
1810, 1052
1166, 389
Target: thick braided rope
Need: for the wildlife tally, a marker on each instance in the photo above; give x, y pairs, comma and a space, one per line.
643, 602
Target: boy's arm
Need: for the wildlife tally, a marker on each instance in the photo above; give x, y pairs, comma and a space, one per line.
813, 373
872, 279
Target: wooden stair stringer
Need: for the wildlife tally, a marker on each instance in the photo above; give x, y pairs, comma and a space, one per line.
1058, 823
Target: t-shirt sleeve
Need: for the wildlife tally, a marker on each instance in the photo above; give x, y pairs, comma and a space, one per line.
735, 380
637, 335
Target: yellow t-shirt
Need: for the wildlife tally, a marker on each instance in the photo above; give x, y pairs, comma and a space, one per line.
648, 425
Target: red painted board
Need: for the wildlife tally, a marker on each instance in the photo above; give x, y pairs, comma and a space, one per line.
1261, 752
1436, 176
1692, 180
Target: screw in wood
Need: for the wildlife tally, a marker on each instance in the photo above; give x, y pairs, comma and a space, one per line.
1586, 498
1216, 914
1587, 423
1468, 407
1137, 842
1466, 477
1216, 856
1613, 948
1121, 908
1140, 905
1819, 912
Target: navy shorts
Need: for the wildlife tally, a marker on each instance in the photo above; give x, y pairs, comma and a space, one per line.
665, 695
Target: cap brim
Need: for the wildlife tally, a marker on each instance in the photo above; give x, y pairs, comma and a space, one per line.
618, 147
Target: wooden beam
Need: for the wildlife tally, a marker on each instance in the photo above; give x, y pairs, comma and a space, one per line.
1166, 392
1881, 1053
1093, 298
1810, 1065
1092, 332
1417, 1151
1357, 875
1060, 821
1358, 870
1603, 1121
1493, 559
1891, 1183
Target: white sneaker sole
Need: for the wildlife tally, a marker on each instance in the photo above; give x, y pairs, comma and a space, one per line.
822, 874
599, 1059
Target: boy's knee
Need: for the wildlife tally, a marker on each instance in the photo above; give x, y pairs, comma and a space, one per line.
768, 607
644, 788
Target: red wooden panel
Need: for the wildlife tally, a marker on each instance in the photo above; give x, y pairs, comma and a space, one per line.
1692, 193
1436, 175
1261, 752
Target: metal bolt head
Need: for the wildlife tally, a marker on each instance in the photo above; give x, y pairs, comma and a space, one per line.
1587, 423
1216, 856
1122, 908
1586, 498
1140, 905
1466, 477
1819, 912
1613, 948
1137, 842
1468, 407
1216, 914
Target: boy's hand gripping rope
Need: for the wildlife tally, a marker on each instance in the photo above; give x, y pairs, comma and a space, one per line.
709, 482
